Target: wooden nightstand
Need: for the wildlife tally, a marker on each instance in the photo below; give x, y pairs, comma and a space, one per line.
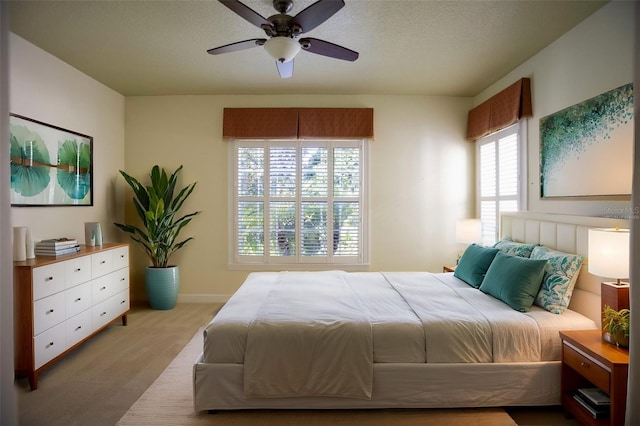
589, 361
449, 268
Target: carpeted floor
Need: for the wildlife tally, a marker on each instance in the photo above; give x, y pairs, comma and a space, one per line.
169, 402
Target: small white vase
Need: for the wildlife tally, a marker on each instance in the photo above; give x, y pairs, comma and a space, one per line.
30, 245
20, 243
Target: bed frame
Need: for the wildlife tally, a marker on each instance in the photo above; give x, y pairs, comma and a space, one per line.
219, 386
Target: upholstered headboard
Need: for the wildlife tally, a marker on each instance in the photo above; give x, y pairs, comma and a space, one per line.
569, 234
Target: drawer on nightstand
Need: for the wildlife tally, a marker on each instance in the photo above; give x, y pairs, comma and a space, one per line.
586, 367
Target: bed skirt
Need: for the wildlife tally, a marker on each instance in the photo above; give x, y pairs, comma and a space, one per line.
219, 387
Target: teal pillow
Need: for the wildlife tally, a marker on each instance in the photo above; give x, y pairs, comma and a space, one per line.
508, 246
514, 280
560, 276
474, 264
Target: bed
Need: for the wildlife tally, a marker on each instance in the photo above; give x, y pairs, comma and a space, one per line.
331, 339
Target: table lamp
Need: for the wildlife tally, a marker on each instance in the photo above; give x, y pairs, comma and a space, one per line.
608, 256
468, 231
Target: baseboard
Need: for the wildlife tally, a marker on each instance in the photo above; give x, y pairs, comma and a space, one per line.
203, 298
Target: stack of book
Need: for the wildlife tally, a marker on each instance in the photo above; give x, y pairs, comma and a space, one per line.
56, 247
595, 401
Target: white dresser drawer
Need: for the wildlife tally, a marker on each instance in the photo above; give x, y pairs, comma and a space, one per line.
78, 299
101, 263
120, 258
106, 286
49, 345
77, 271
78, 327
48, 312
121, 279
47, 280
110, 309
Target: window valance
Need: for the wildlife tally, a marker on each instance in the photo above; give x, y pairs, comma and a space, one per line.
501, 110
297, 123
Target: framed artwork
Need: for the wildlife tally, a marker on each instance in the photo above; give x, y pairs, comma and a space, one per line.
50, 166
586, 150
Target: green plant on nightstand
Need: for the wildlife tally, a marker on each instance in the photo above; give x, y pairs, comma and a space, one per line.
616, 323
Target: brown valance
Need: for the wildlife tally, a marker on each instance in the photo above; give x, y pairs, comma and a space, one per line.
297, 123
335, 123
260, 123
500, 111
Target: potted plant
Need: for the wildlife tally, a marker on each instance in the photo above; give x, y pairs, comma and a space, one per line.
616, 323
158, 209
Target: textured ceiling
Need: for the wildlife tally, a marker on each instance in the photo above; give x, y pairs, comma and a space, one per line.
422, 47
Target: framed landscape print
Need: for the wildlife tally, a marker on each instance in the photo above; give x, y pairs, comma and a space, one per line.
50, 166
586, 150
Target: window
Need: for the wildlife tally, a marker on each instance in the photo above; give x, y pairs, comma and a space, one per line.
501, 177
299, 202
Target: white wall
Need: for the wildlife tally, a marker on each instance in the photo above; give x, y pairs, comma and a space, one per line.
48, 90
7, 390
594, 57
421, 178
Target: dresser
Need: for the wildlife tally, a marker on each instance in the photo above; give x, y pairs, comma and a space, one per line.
59, 302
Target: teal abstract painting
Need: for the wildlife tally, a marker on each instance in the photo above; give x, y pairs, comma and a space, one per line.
50, 166
587, 149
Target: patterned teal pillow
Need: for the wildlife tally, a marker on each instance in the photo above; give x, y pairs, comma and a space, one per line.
508, 246
560, 277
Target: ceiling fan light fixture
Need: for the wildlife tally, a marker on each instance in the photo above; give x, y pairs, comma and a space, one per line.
281, 48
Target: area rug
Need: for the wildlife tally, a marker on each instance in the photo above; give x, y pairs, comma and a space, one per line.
169, 402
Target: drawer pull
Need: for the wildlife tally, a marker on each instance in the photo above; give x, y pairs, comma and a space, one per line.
103, 288
50, 311
48, 279
78, 299
78, 327
78, 270
122, 279
49, 345
122, 256
124, 301
102, 314
584, 364
103, 262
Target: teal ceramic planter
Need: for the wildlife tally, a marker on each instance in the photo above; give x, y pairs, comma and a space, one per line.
162, 286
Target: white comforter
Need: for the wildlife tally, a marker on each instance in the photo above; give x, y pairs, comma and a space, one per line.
399, 317
310, 337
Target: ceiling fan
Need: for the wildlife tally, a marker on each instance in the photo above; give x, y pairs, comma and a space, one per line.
284, 30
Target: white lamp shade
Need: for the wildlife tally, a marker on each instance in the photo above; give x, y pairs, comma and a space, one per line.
282, 49
469, 231
609, 252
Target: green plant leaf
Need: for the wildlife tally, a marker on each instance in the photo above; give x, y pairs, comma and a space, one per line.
157, 209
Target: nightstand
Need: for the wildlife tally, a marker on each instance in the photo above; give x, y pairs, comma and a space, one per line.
448, 268
589, 361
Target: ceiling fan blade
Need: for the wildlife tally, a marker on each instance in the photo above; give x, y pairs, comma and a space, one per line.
317, 13
325, 48
285, 69
247, 13
240, 45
